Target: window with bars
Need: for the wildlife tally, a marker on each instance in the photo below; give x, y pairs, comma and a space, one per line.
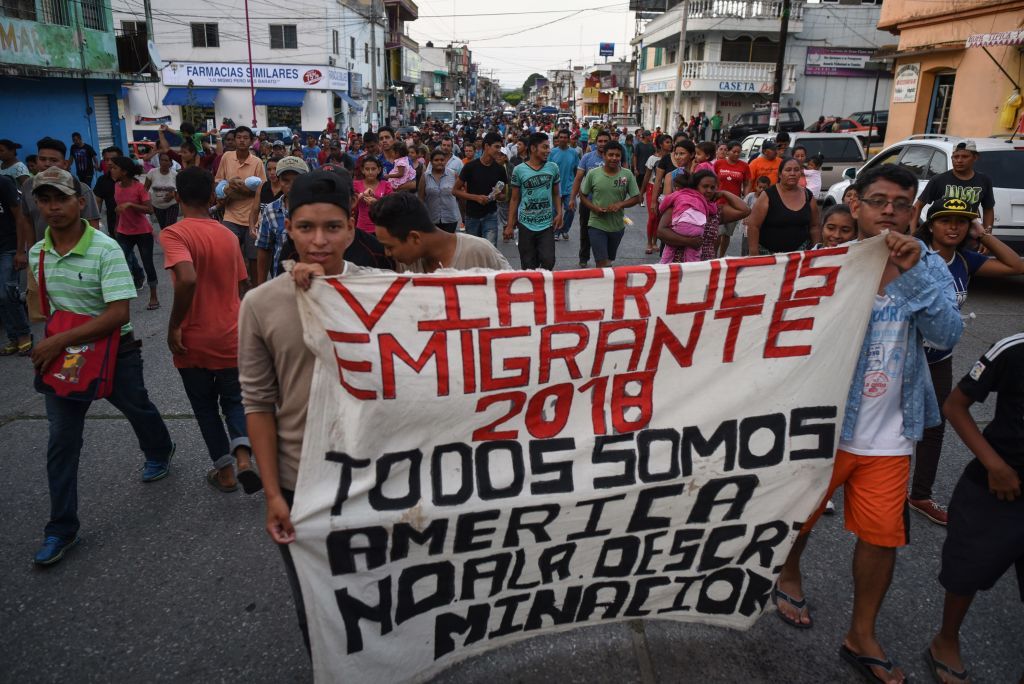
133, 28
93, 15
56, 12
18, 9
336, 41
205, 35
284, 37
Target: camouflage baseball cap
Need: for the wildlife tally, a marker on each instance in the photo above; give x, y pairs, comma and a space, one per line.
56, 177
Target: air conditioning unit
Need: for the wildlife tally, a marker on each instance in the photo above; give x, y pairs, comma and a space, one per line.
331, 61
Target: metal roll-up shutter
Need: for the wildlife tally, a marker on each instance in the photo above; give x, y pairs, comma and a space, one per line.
104, 124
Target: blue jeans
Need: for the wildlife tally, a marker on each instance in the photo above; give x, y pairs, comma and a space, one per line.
67, 421
205, 388
12, 312
484, 226
567, 215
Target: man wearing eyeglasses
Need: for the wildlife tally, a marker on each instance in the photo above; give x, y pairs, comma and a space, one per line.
891, 401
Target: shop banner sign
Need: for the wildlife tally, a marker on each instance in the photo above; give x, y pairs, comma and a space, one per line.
491, 456
849, 62
232, 75
905, 84
993, 39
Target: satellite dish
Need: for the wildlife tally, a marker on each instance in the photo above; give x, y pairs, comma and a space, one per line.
154, 55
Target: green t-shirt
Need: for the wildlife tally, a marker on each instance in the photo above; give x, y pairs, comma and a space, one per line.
605, 190
536, 206
592, 134
90, 276
716, 122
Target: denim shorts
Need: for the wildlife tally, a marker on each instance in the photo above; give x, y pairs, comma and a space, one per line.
605, 244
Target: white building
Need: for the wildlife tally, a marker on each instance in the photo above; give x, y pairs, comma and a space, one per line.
310, 61
731, 50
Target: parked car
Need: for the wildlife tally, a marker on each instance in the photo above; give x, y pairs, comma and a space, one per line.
929, 155
840, 150
881, 120
838, 124
756, 121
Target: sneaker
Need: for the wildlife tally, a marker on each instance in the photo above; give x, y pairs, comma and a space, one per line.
157, 470
929, 509
53, 550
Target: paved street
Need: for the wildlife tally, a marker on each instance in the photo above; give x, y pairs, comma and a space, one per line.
174, 582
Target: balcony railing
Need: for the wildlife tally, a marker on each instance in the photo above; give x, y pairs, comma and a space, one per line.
407, 9
728, 16
743, 9
717, 76
730, 71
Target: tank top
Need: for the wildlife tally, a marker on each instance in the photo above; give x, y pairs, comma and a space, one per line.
785, 230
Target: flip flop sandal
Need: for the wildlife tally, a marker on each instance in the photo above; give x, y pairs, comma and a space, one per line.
799, 604
214, 481
249, 479
936, 666
863, 664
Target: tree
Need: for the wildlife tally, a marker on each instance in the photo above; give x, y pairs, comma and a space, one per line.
530, 80
513, 97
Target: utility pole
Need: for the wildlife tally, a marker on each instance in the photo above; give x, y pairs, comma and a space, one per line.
373, 63
780, 62
678, 94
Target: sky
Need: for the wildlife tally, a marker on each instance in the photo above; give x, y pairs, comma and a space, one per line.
516, 39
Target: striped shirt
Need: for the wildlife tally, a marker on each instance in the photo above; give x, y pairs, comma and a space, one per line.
90, 276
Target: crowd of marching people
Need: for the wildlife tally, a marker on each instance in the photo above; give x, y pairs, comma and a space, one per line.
233, 211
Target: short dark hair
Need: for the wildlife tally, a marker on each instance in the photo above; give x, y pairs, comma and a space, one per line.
782, 137
31, 159
707, 148
696, 178
188, 128
660, 140
76, 134
889, 172
614, 145
686, 145
798, 147
194, 186
835, 209
492, 138
242, 129
389, 129
127, 165
561, 131
370, 137
400, 213
49, 143
604, 133
115, 149
733, 143
535, 140
763, 179
438, 152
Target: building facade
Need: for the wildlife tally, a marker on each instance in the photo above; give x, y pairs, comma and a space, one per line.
306, 67
731, 51
955, 66
403, 61
60, 73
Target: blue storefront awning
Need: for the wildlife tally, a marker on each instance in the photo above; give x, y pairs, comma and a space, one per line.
348, 100
195, 97
280, 98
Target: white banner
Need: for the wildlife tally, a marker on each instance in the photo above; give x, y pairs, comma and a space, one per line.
233, 75
491, 456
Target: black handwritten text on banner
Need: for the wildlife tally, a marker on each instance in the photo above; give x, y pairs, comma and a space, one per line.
489, 456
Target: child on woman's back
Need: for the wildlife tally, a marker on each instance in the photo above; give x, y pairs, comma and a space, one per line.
690, 211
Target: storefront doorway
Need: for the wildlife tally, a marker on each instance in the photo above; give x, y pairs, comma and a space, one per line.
285, 116
942, 98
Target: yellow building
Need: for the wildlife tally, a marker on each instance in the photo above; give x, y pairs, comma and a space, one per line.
957, 64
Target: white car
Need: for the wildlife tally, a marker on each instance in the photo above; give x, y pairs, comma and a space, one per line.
928, 155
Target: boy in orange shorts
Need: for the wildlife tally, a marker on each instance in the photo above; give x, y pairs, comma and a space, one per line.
891, 401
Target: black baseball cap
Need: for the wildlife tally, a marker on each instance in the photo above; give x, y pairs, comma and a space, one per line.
320, 187
10, 144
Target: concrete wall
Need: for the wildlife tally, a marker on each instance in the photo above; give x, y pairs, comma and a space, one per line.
980, 89
56, 107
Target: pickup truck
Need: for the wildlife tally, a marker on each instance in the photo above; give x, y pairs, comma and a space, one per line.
841, 151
